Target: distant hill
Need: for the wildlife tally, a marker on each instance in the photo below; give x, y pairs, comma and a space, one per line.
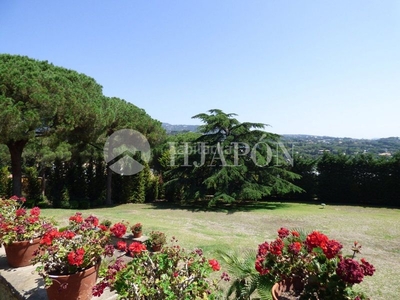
314, 146
179, 128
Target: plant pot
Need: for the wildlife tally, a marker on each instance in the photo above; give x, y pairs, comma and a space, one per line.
137, 234
19, 254
73, 286
156, 247
288, 289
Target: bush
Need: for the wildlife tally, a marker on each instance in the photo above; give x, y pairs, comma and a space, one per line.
170, 274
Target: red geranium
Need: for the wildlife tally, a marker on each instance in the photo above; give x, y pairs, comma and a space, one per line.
68, 234
283, 232
118, 229
35, 211
276, 247
48, 237
92, 220
316, 260
121, 245
75, 258
214, 264
316, 239
295, 247
332, 248
77, 218
20, 212
136, 248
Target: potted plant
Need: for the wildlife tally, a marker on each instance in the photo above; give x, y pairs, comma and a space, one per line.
69, 258
173, 273
137, 230
106, 223
20, 230
156, 240
313, 264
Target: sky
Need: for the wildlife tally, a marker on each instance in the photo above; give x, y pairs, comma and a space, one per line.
327, 68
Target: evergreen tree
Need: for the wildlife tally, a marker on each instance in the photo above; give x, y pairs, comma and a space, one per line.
230, 161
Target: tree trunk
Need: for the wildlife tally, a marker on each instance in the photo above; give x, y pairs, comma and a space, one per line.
109, 184
43, 182
16, 149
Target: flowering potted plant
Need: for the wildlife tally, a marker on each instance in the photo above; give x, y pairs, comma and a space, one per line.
105, 223
314, 264
156, 240
137, 230
171, 274
20, 230
71, 253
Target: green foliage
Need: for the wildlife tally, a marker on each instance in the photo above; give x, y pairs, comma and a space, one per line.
359, 179
171, 274
34, 185
4, 182
231, 161
245, 280
39, 99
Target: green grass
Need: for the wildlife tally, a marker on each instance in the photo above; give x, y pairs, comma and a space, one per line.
377, 229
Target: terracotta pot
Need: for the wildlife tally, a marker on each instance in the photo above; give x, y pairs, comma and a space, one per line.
73, 286
156, 248
19, 254
137, 234
290, 286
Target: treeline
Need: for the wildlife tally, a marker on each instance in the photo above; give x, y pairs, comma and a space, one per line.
54, 124
315, 146
362, 179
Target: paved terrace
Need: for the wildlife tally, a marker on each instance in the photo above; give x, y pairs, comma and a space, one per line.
25, 283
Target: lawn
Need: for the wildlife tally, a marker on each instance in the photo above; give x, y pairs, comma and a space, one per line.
377, 229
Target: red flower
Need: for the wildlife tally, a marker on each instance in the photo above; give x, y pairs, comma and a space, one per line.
92, 220
15, 197
68, 234
295, 233
263, 248
99, 288
49, 236
103, 227
118, 229
20, 212
350, 271
22, 199
316, 239
259, 265
283, 232
276, 247
32, 220
214, 264
75, 258
77, 218
136, 248
35, 211
368, 269
332, 248
295, 248
121, 245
